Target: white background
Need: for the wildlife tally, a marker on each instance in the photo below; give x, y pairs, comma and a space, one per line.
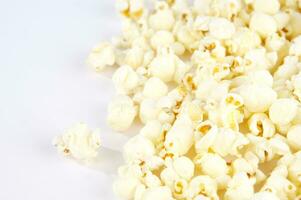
45, 87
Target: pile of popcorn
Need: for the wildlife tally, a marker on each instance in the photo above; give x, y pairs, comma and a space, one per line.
217, 86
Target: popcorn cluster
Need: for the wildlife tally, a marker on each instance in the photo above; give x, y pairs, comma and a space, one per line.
217, 85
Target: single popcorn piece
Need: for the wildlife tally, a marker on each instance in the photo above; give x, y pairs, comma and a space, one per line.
221, 28
138, 148
102, 56
154, 88
163, 18
283, 111
294, 137
125, 79
78, 142
163, 65
263, 24
184, 167
213, 165
121, 113
260, 124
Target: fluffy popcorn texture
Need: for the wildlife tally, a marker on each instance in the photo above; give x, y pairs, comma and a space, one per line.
217, 87
78, 142
121, 113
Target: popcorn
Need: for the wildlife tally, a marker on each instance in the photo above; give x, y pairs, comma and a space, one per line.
148, 110
152, 131
162, 39
184, 167
138, 148
179, 138
217, 87
163, 65
125, 79
121, 113
163, 18
269, 6
102, 56
221, 28
155, 88
293, 137
125, 187
134, 57
203, 185
257, 98
283, 111
213, 165
260, 124
78, 142
159, 193
263, 24
239, 184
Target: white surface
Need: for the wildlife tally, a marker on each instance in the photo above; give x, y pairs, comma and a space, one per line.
46, 87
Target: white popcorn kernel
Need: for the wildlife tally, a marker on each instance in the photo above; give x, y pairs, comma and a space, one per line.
264, 196
185, 36
283, 111
280, 186
184, 167
154, 88
221, 28
260, 59
242, 165
260, 124
213, 165
263, 24
102, 56
294, 137
244, 40
179, 138
163, 66
148, 110
242, 185
125, 79
279, 145
162, 19
162, 39
202, 185
282, 19
295, 23
138, 148
78, 142
195, 111
134, 57
169, 176
158, 193
257, 98
268, 6
228, 142
125, 187
121, 113
152, 130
